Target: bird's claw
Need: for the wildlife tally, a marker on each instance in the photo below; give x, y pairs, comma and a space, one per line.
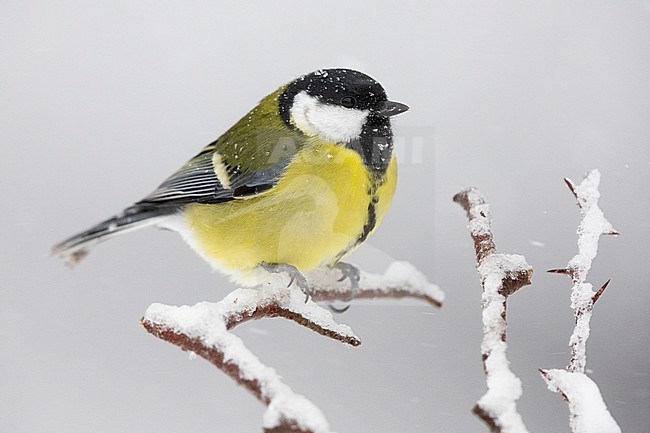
353, 274
339, 310
295, 276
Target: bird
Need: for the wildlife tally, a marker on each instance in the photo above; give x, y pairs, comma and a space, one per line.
297, 184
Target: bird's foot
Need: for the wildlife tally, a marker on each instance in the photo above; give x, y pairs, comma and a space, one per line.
294, 274
351, 273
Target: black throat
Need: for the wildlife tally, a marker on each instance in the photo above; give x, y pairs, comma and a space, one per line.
375, 144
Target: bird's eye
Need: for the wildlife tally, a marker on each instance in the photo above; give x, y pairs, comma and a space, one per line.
348, 101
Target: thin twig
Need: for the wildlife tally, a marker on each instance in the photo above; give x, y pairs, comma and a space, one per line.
203, 330
593, 224
588, 412
501, 275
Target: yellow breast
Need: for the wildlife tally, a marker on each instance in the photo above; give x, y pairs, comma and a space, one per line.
312, 216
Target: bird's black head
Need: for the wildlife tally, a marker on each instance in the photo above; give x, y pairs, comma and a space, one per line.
340, 87
343, 106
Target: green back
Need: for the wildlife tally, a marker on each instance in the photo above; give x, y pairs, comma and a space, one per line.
260, 139
255, 151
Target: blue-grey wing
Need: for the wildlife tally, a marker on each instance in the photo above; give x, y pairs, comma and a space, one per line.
206, 178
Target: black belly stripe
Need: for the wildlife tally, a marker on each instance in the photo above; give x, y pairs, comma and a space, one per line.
377, 178
371, 220
368, 227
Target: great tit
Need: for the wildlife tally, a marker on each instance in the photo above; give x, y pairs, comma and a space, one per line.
296, 184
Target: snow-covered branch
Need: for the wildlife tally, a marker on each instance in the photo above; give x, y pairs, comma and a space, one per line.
401, 280
586, 407
501, 275
588, 412
592, 225
203, 330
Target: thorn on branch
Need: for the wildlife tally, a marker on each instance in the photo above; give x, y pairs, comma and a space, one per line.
563, 271
547, 377
572, 187
600, 291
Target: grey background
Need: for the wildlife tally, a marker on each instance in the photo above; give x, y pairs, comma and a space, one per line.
99, 101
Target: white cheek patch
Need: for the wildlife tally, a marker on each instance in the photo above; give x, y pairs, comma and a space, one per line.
338, 124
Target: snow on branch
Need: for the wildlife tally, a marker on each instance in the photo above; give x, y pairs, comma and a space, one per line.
401, 280
501, 276
592, 225
588, 412
203, 330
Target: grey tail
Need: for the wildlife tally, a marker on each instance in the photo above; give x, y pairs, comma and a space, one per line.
76, 247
